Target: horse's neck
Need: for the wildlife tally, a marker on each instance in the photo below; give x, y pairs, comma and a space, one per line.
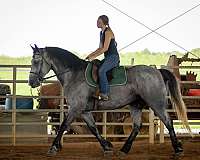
58, 69
65, 74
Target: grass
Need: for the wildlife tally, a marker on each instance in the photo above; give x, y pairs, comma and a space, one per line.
192, 126
144, 58
15, 60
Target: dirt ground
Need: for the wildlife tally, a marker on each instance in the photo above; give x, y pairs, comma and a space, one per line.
141, 150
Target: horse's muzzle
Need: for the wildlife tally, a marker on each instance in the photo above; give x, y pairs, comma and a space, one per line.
33, 81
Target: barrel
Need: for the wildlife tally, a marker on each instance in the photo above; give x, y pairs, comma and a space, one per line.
21, 103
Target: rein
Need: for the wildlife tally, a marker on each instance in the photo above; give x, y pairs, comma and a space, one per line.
66, 70
42, 79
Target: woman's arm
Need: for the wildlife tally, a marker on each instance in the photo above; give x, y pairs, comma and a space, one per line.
103, 48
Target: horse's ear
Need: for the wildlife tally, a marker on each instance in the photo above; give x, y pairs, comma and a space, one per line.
36, 48
32, 48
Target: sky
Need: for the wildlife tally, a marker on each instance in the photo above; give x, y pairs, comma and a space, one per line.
71, 24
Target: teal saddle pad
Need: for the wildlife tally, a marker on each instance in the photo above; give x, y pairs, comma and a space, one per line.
118, 73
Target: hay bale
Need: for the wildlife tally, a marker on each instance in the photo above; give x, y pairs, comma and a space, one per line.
53, 89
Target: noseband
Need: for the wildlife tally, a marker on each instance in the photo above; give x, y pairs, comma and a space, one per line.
38, 75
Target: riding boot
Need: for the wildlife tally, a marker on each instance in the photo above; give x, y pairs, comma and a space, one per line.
103, 97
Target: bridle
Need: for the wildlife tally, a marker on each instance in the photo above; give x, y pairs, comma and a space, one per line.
41, 79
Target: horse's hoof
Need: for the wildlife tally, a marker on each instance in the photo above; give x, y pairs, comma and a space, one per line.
177, 156
108, 154
121, 155
52, 151
179, 150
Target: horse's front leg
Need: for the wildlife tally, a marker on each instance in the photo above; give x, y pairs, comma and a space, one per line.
106, 145
56, 146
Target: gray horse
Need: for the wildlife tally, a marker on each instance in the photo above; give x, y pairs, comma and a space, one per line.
146, 86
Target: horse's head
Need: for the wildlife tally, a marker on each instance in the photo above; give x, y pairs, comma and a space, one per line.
39, 66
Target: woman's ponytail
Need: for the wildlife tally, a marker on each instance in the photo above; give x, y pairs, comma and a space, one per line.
105, 21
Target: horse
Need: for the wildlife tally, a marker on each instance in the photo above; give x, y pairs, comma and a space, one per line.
146, 86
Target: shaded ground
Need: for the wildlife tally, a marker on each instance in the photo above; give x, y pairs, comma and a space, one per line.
92, 151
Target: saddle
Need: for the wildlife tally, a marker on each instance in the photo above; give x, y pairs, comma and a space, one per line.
116, 76
95, 68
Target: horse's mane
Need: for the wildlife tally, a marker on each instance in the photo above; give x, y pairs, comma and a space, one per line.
66, 58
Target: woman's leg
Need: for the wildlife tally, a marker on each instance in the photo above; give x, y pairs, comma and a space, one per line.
109, 63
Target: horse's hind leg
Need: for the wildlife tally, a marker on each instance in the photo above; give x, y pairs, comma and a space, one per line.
164, 117
88, 118
136, 113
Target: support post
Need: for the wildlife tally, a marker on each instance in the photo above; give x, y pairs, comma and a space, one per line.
104, 125
151, 126
14, 106
161, 132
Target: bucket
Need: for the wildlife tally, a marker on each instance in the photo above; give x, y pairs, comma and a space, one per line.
21, 103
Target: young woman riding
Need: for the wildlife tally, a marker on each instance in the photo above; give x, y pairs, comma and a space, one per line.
107, 46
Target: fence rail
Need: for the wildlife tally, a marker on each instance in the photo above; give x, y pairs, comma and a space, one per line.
14, 123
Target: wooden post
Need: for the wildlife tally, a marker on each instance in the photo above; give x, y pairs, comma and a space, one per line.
14, 106
104, 125
155, 121
151, 126
151, 121
161, 132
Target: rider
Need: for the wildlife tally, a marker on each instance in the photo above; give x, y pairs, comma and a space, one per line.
107, 46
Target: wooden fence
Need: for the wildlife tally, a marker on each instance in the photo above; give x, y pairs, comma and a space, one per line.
14, 124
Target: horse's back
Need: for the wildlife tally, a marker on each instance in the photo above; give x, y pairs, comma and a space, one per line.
145, 79
144, 71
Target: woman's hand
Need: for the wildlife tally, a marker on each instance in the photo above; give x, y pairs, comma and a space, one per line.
90, 57
94, 54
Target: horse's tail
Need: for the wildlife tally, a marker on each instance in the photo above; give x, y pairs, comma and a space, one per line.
176, 98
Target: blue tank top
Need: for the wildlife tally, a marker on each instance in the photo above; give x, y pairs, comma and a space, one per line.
112, 49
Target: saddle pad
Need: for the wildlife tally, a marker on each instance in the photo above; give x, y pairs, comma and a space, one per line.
118, 73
